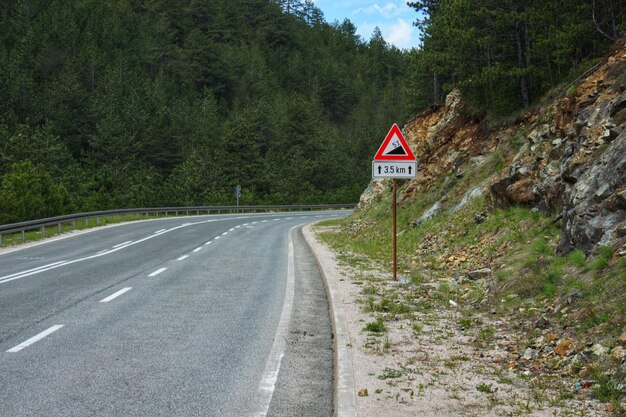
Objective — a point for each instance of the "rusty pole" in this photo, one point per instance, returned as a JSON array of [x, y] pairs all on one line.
[[394, 247]]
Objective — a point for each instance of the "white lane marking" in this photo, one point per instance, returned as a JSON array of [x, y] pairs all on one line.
[[208, 243], [160, 231], [157, 272], [224, 234], [122, 244], [272, 367], [264, 221], [115, 295], [288, 218], [182, 258], [254, 223], [276, 220], [232, 229], [197, 249], [237, 227], [216, 237], [35, 339], [27, 273], [6, 277]]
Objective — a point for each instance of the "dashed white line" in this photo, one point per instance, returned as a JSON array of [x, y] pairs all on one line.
[[157, 272], [264, 221], [208, 243], [237, 227], [35, 339], [115, 295], [254, 222], [216, 237], [122, 244], [245, 224], [182, 258], [160, 231], [232, 229], [198, 249]]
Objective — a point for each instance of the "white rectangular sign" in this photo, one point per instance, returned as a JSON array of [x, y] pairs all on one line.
[[394, 169]]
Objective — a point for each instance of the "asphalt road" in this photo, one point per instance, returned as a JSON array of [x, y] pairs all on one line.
[[196, 316]]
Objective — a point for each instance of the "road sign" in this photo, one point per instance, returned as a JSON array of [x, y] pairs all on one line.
[[394, 169], [394, 147], [394, 159]]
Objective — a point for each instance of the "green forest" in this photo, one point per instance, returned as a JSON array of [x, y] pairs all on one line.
[[137, 103]]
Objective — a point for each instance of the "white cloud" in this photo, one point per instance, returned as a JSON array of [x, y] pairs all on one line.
[[389, 9], [400, 34]]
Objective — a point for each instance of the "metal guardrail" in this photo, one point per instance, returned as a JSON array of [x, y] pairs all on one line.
[[58, 221]]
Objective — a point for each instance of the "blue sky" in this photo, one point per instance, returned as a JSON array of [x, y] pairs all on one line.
[[393, 17]]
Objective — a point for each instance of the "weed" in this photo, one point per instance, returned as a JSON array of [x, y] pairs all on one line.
[[602, 260], [375, 327], [465, 323], [417, 328], [577, 258], [485, 388], [486, 333], [370, 290], [389, 373]]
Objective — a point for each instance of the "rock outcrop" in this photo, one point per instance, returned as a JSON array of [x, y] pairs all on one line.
[[572, 162]]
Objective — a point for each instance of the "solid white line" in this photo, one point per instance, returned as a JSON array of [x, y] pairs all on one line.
[[122, 244], [30, 270], [157, 272], [35, 339], [182, 258], [272, 367], [115, 295], [198, 249]]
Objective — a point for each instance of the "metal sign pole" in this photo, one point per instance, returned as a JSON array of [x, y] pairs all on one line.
[[394, 247]]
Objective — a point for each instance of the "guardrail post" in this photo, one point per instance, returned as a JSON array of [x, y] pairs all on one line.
[[59, 228], [74, 224], [43, 231], [23, 237], [97, 221]]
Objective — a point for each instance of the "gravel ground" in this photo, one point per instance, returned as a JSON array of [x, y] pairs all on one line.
[[426, 364]]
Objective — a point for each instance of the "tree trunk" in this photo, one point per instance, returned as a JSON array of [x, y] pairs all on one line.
[[522, 61], [436, 89]]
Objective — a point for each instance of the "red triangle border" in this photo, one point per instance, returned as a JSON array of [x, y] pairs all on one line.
[[379, 154]]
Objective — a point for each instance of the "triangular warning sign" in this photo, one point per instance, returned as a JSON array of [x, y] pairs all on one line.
[[394, 147]]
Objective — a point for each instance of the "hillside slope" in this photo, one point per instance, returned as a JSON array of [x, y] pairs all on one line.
[[513, 235]]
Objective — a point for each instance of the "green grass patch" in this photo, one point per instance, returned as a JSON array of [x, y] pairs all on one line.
[[375, 327]]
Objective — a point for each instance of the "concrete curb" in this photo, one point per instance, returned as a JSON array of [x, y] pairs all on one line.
[[345, 398]]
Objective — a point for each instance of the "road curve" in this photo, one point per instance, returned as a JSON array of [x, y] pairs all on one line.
[[175, 317]]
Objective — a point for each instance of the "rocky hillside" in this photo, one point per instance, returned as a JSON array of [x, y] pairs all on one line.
[[569, 159], [519, 227]]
